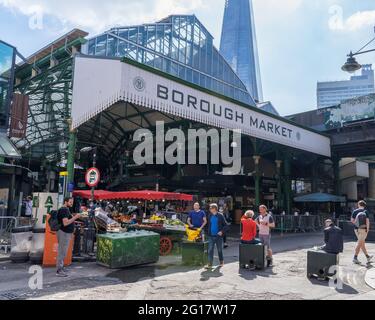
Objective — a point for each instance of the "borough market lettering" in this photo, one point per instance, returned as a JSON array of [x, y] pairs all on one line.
[[205, 106]]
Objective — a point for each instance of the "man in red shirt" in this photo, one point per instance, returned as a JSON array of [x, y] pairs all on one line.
[[249, 229]]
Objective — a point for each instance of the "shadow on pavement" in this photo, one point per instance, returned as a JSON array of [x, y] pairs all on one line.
[[208, 274], [248, 274], [346, 289]]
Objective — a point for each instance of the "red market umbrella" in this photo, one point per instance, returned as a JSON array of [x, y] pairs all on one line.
[[152, 195], [98, 194], [145, 195]]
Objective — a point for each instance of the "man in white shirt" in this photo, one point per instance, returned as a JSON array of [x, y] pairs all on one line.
[[29, 207], [265, 223]]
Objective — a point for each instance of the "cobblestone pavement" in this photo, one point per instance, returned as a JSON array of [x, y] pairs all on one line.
[[168, 279]]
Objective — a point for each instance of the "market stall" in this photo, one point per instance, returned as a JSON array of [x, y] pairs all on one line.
[[131, 217]]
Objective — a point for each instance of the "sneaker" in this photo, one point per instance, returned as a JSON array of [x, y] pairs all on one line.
[[226, 245], [208, 267], [61, 274], [369, 259], [356, 261], [270, 263]]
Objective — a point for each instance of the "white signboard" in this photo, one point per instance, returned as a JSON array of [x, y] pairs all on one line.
[[99, 83], [43, 204]]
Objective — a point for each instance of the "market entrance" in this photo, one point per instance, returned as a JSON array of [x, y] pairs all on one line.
[[112, 99]]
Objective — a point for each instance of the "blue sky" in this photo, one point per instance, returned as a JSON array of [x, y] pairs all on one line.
[[300, 41]]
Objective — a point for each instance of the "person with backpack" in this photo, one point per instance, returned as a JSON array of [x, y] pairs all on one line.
[[361, 221], [65, 232]]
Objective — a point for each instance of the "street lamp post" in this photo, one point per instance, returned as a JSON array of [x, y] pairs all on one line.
[[351, 65]]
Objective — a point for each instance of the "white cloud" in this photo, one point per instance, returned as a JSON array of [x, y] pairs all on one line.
[[97, 15], [360, 20], [275, 8], [357, 21]]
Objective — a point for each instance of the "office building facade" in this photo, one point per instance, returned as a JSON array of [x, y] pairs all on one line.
[[334, 92]]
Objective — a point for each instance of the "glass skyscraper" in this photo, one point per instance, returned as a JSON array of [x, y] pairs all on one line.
[[239, 45], [179, 45]]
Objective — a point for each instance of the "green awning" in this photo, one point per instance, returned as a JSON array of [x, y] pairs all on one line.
[[320, 198], [7, 148]]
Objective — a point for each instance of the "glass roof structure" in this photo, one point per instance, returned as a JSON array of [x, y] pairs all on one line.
[[7, 149], [178, 45]]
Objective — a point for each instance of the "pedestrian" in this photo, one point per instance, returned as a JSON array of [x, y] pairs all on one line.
[[266, 223], [228, 221], [361, 221], [333, 238], [65, 234], [249, 229], [197, 218], [29, 207], [216, 227]]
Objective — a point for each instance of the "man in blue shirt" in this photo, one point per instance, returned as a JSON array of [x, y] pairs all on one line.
[[197, 218], [216, 229]]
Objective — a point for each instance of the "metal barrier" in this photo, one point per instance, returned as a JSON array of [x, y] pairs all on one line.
[[298, 223], [3, 213], [5, 233]]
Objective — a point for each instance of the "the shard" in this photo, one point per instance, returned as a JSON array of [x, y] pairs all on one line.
[[239, 44]]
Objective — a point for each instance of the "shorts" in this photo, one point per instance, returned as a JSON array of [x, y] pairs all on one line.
[[265, 239], [361, 234]]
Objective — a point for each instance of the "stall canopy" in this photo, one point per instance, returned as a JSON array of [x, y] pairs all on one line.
[[145, 195], [320, 198], [98, 194]]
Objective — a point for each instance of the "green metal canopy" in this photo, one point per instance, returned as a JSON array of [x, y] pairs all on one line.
[[320, 198], [7, 148]]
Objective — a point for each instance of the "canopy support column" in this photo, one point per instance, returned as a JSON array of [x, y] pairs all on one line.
[[71, 155], [287, 184]]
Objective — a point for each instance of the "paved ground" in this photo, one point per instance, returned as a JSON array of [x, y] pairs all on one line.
[[168, 279]]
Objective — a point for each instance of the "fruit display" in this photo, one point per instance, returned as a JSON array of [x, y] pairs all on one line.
[[175, 222], [158, 218]]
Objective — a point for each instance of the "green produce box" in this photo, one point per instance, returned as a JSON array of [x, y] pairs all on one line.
[[194, 253], [120, 250]]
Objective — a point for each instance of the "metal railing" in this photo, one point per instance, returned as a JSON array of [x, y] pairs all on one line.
[[5, 233], [310, 223]]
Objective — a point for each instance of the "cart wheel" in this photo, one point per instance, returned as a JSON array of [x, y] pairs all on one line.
[[166, 246]]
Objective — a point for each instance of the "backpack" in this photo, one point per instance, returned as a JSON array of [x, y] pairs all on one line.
[[360, 219], [53, 221], [23, 209]]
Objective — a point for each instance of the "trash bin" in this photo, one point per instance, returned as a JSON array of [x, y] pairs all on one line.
[[37, 246], [21, 244], [194, 253]]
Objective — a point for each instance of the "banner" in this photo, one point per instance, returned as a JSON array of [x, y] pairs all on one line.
[[100, 83], [7, 62], [19, 114], [43, 204]]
